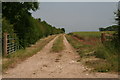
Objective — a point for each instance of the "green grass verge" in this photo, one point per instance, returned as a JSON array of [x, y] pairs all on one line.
[[107, 55], [11, 60], [80, 47], [58, 44]]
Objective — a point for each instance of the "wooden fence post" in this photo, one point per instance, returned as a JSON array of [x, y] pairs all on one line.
[[5, 43], [103, 38]]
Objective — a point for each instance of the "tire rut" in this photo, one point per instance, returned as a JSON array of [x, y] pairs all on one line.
[[46, 64]]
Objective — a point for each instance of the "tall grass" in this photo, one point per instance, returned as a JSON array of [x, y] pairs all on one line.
[[110, 54]]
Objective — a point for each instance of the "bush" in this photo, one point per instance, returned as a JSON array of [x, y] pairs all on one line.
[[6, 26]]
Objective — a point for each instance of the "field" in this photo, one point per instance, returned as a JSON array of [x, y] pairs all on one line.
[[91, 34], [88, 34], [92, 51]]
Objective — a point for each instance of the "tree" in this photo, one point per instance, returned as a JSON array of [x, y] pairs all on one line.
[[13, 11], [7, 27], [110, 28], [63, 30], [118, 20], [27, 28], [17, 13], [101, 29]]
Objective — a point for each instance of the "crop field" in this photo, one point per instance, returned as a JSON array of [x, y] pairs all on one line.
[[88, 34], [92, 34]]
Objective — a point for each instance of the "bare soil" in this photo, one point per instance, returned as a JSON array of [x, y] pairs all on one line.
[[46, 64], [91, 41]]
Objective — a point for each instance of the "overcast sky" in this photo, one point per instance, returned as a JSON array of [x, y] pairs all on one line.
[[77, 16]]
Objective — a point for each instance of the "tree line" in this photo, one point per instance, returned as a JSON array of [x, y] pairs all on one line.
[[17, 19], [110, 28]]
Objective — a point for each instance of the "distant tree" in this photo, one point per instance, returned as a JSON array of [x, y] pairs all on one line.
[[101, 29], [110, 28], [63, 29]]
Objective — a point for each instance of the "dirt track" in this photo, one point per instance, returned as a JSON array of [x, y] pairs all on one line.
[[46, 64]]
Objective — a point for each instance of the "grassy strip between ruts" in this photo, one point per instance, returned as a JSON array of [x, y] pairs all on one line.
[[11, 60], [97, 57], [58, 44]]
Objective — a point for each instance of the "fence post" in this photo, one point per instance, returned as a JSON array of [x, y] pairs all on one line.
[[5, 43], [103, 38]]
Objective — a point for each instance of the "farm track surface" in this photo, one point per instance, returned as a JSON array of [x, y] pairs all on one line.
[[47, 64]]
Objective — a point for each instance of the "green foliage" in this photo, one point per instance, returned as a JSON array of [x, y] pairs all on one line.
[[13, 11], [118, 23], [17, 13], [102, 52], [110, 28], [110, 54], [6, 26], [27, 28]]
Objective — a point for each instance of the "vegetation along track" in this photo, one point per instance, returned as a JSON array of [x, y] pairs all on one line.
[[58, 44], [11, 60], [47, 64]]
